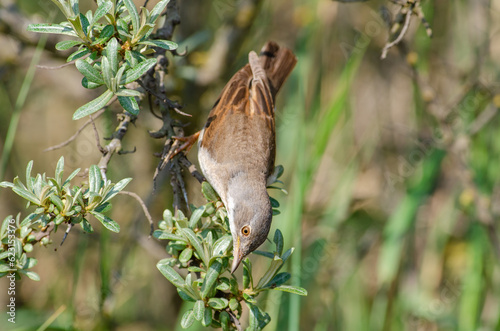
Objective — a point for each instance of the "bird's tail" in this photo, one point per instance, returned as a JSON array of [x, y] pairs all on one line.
[[278, 62]]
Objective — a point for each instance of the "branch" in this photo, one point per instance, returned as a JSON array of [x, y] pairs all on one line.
[[144, 208]]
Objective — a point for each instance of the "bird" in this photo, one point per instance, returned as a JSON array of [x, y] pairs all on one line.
[[237, 145]]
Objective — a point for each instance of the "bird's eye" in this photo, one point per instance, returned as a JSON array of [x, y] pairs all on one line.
[[245, 230]]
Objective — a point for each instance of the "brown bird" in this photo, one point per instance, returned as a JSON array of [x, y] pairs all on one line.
[[237, 145]]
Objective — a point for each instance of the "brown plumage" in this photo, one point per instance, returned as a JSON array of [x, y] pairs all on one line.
[[237, 145]]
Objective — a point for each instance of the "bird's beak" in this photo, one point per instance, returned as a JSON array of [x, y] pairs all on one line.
[[237, 255]]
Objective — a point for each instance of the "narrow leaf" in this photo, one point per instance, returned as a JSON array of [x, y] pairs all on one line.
[[137, 71], [210, 278], [95, 179], [187, 319], [199, 309], [67, 44], [134, 14], [129, 104], [195, 216], [157, 10], [78, 54], [93, 106], [116, 188], [102, 10], [52, 28], [170, 274], [106, 221], [165, 44], [292, 289], [196, 242], [91, 73]]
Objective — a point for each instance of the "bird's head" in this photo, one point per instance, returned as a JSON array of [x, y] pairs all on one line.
[[250, 221]]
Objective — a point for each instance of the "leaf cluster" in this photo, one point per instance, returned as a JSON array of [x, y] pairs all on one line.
[[202, 244], [56, 202], [112, 47]]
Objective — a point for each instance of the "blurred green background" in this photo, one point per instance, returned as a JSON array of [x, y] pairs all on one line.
[[392, 166]]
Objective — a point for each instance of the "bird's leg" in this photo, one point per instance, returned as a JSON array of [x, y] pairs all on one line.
[[188, 143]]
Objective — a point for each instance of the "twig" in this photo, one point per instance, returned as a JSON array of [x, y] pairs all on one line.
[[192, 169], [400, 36], [101, 149], [144, 208], [236, 322], [73, 137]]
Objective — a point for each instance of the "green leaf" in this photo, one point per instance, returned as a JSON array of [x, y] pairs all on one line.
[[106, 221], [185, 296], [266, 254], [170, 274], [292, 289], [95, 179], [85, 24], [144, 32], [93, 106], [258, 319], [209, 192], [52, 28], [59, 171], [287, 254], [78, 54], [234, 304], [116, 188], [278, 240], [278, 280], [128, 93], [187, 319], [274, 202], [129, 104], [224, 320], [31, 274], [70, 177], [6, 184], [74, 6], [157, 10], [91, 73], [103, 9], [218, 303], [222, 244], [168, 236], [89, 85], [199, 310], [165, 44], [195, 216], [210, 278], [112, 55], [186, 255], [134, 14], [196, 242], [137, 71], [26, 195], [207, 317], [67, 44], [86, 226]]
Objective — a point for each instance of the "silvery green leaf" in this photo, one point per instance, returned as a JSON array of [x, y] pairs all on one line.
[[196, 242], [165, 44], [170, 273], [106, 33], [222, 244], [103, 8], [195, 216], [287, 254], [74, 6], [78, 54], [67, 44], [257, 318], [185, 296], [292, 289], [26, 195], [85, 24], [187, 319], [106, 221], [59, 171], [207, 317], [129, 104], [224, 320], [89, 85], [93, 106], [31, 274], [116, 188], [107, 73], [70, 177], [210, 278], [112, 55], [199, 309], [186, 255], [64, 7], [168, 236], [92, 74], [218, 303], [128, 93], [29, 167], [122, 29], [78, 26], [95, 179], [278, 280], [134, 14], [52, 28], [136, 72], [144, 32], [157, 10]]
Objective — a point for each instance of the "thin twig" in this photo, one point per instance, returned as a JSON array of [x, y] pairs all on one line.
[[191, 168], [96, 133], [400, 36], [73, 137], [144, 208], [236, 322]]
